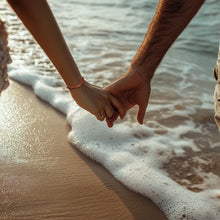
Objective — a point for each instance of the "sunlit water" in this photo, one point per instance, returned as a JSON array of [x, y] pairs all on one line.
[[174, 157]]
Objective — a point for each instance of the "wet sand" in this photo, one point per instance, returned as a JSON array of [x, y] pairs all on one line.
[[42, 176]]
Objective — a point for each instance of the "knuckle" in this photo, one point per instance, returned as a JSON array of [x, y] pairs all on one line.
[[110, 114], [107, 98]]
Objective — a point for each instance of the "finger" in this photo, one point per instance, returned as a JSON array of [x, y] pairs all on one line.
[[100, 119], [116, 103], [109, 111], [110, 121], [141, 113], [101, 116]]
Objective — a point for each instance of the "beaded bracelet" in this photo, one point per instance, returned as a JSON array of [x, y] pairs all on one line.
[[77, 86]]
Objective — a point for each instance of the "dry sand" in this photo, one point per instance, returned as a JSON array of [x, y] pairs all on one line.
[[42, 176]]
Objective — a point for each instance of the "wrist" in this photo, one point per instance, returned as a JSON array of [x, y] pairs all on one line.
[[142, 72], [78, 90], [79, 93], [76, 85]]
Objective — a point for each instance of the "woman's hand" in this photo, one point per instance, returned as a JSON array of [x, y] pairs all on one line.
[[97, 101]]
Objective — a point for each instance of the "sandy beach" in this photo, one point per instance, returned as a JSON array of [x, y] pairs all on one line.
[[44, 177]]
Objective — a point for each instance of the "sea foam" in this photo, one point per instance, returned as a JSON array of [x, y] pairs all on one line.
[[133, 153]]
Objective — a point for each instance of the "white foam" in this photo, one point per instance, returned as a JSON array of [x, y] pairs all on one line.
[[133, 161]]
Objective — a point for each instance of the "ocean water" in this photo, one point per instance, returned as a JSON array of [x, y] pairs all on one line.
[[174, 157]]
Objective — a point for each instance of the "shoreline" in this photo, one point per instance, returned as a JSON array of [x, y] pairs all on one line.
[[44, 176]]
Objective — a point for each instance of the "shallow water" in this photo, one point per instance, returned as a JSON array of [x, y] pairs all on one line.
[[179, 140]]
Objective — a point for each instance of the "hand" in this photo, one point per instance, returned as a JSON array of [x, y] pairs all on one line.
[[131, 89], [97, 101]]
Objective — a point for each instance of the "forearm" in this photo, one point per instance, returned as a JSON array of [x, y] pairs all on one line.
[[39, 20], [170, 19]]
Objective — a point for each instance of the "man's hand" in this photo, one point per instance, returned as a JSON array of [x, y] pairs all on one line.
[[131, 89], [170, 19]]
